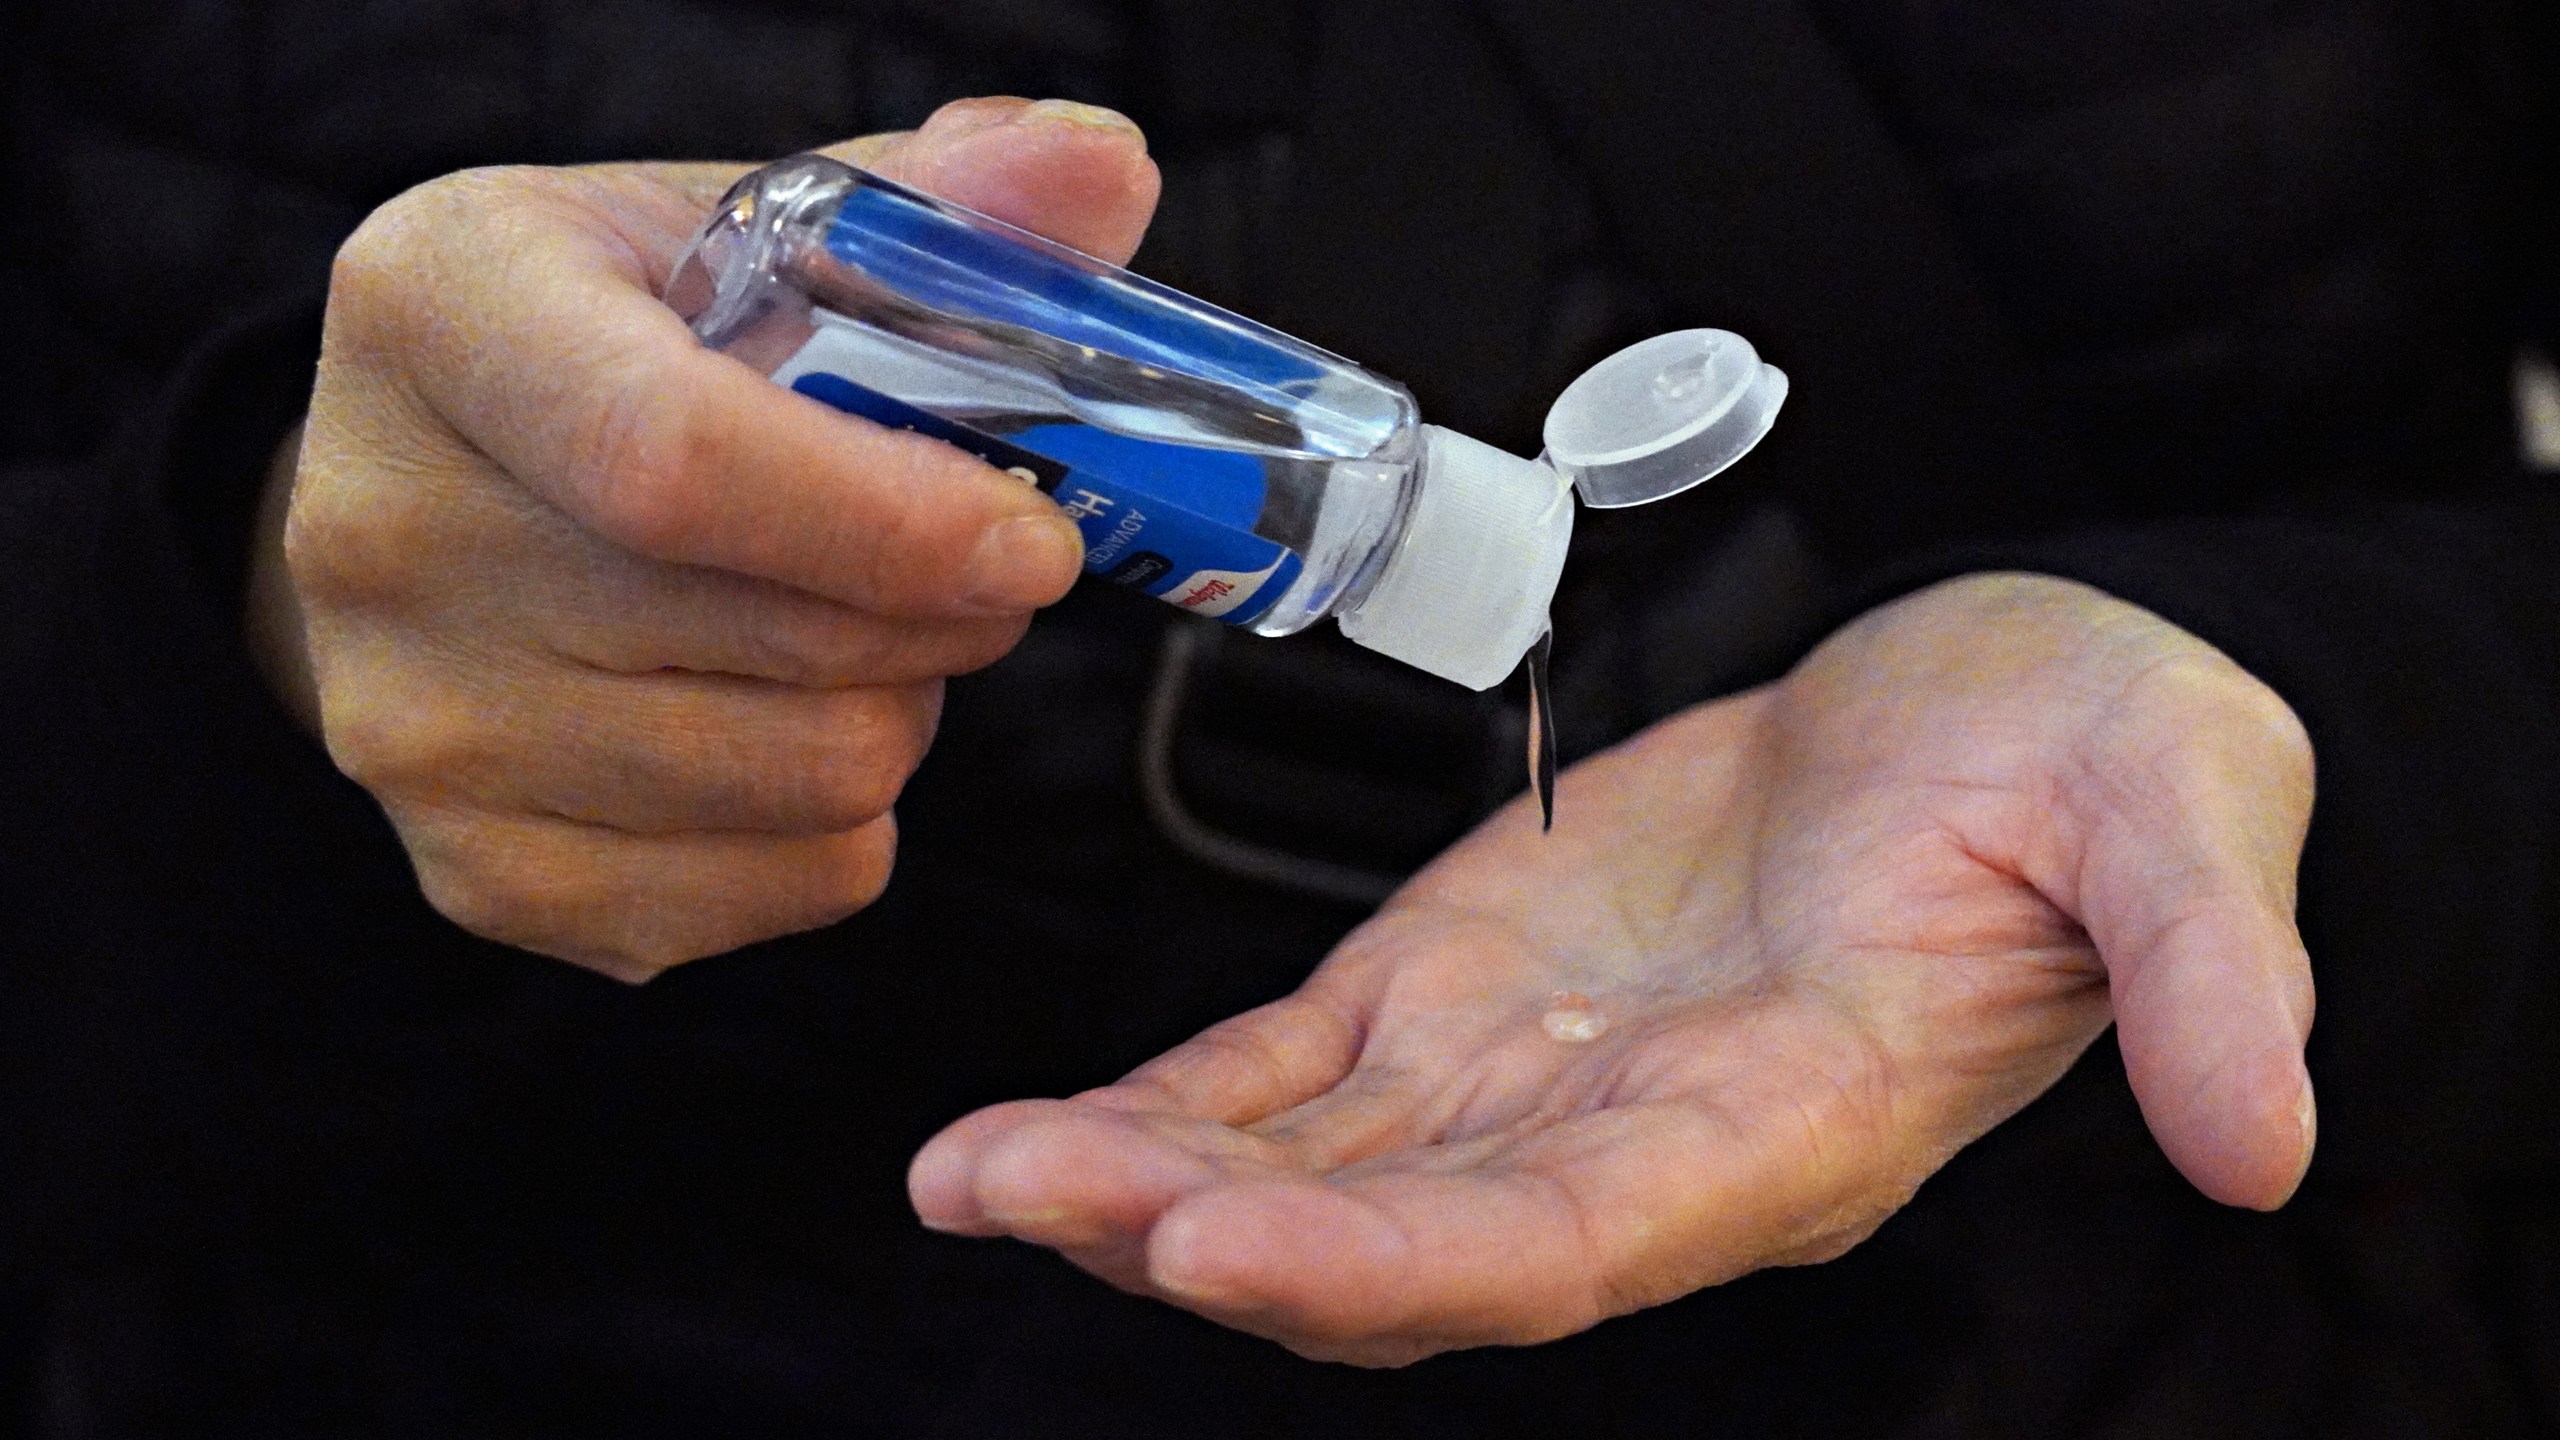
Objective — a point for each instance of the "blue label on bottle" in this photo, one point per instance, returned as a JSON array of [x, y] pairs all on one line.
[[1171, 520]]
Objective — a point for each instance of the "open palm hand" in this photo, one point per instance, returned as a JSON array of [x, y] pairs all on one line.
[[1782, 956]]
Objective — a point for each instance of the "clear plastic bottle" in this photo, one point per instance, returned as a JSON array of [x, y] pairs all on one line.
[[1214, 463]]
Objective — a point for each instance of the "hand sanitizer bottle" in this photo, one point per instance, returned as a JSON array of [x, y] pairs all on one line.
[[1212, 462]]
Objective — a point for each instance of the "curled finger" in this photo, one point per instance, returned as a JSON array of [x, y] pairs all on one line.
[[656, 753], [629, 905]]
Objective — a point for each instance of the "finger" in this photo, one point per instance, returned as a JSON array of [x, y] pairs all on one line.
[[632, 906], [2212, 1036], [1241, 1070], [1259, 1063], [590, 600], [513, 315], [942, 1180], [2187, 888], [688, 618], [647, 754], [1078, 174], [1292, 1067], [538, 576]]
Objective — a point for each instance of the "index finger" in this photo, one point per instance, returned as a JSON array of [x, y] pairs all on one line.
[[516, 311]]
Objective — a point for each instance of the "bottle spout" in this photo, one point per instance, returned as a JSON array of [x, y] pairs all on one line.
[[1662, 416], [1466, 593]]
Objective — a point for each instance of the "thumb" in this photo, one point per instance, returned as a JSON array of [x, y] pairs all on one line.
[[2192, 843], [1078, 174]]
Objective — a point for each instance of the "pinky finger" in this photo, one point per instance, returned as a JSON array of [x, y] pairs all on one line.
[[633, 906]]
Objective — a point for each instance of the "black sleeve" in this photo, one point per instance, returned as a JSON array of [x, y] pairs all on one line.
[[132, 705], [197, 912], [2421, 648]]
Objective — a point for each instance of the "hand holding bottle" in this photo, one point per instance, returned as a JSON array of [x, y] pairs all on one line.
[[1782, 957], [636, 648]]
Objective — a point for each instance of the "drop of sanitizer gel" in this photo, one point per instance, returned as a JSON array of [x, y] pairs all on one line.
[[1211, 462], [1572, 1019]]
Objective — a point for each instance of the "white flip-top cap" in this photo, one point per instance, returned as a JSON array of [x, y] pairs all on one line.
[[1466, 593], [1663, 415]]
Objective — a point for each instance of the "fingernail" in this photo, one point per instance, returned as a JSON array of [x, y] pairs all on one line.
[[1074, 112], [968, 117], [1025, 563]]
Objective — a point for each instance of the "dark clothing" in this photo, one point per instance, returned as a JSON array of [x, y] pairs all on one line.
[[2210, 304]]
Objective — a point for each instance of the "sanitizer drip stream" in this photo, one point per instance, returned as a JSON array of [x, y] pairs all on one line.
[[1542, 728], [1212, 462]]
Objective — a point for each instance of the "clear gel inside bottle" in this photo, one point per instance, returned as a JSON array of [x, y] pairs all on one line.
[[1212, 462]]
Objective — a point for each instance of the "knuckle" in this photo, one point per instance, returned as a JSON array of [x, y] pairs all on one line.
[[807, 642], [487, 906], [856, 779], [373, 271], [905, 556], [2275, 723], [2231, 713], [355, 544], [324, 545], [480, 875], [396, 742], [984, 642], [843, 805], [631, 471], [859, 796], [1379, 1350], [645, 943], [918, 518], [394, 257], [867, 858]]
